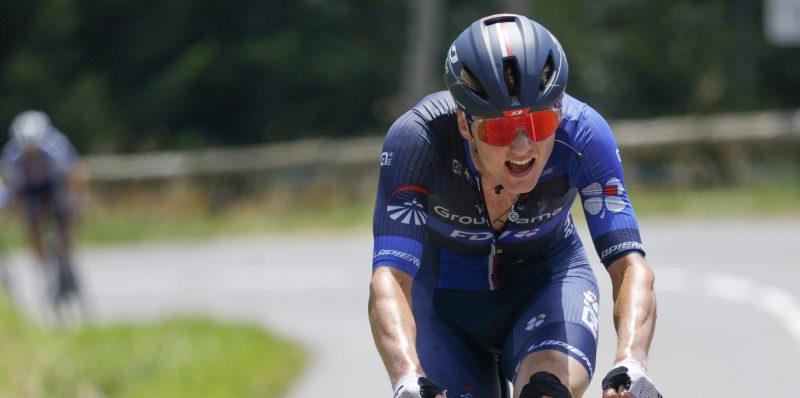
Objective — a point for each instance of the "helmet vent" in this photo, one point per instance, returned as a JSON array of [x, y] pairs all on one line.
[[499, 19], [547, 73], [511, 75], [472, 83]]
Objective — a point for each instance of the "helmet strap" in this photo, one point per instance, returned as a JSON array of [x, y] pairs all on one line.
[[474, 145], [469, 129]]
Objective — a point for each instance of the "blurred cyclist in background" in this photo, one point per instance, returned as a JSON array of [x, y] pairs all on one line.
[[44, 179], [477, 266], [5, 196]]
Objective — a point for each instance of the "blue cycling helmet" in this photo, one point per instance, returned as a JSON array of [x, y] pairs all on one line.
[[505, 63]]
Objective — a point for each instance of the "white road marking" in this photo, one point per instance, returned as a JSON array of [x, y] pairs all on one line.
[[736, 289], [728, 287]]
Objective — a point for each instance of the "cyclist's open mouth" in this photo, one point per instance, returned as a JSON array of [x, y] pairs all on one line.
[[520, 167]]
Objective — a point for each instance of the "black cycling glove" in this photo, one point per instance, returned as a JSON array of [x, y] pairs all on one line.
[[617, 377], [428, 388], [631, 375]]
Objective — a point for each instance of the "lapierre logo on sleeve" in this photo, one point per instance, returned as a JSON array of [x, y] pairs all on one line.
[[620, 247], [396, 253]]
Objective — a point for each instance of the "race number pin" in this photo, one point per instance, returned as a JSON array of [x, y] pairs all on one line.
[[513, 216]]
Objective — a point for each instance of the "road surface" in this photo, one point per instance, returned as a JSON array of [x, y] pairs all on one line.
[[728, 301]]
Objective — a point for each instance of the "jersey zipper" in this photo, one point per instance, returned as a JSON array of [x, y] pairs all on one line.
[[496, 250]]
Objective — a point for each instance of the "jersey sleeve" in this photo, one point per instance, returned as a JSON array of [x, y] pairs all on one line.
[[61, 151], [407, 175], [599, 178], [11, 173]]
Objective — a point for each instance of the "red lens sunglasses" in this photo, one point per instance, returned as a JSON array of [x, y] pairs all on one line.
[[501, 131]]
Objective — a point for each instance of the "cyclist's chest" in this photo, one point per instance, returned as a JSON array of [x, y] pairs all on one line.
[[36, 169], [459, 212]]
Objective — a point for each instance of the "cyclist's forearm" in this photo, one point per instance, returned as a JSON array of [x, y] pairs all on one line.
[[392, 322], [634, 307]]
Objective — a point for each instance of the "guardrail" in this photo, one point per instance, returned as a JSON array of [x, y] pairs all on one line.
[[720, 128], [631, 135], [232, 160]]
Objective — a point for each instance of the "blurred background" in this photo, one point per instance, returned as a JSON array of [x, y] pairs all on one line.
[[207, 119], [189, 77]]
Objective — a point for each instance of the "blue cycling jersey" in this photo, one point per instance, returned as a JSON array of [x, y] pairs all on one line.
[[429, 193], [56, 157]]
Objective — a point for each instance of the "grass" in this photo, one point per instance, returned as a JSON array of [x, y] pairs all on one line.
[[173, 358], [755, 200]]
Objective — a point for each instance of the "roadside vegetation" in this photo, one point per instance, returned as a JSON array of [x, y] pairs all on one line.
[[172, 358], [764, 199]]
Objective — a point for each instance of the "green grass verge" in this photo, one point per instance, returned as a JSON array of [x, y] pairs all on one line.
[[756, 200], [174, 358]]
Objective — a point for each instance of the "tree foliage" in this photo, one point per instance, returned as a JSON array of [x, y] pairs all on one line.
[[123, 75]]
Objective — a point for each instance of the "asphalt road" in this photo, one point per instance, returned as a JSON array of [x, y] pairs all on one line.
[[728, 324]]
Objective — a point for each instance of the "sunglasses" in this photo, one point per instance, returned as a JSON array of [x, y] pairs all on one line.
[[501, 131]]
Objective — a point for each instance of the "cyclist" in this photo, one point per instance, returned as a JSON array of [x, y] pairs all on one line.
[[477, 267], [42, 174], [5, 197]]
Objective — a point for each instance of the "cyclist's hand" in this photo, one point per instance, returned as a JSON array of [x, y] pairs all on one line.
[[413, 385], [627, 380]]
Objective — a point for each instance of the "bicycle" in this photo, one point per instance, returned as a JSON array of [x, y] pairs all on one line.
[[505, 385], [6, 283], [67, 304]]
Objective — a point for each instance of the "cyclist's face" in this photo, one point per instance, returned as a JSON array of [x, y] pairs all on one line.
[[31, 159], [31, 153], [517, 166]]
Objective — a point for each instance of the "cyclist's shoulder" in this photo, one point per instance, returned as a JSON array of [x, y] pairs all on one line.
[[583, 123], [57, 144], [430, 121], [57, 137], [430, 110], [436, 104], [11, 151], [580, 113]]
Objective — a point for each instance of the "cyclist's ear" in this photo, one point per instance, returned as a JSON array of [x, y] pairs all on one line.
[[462, 125]]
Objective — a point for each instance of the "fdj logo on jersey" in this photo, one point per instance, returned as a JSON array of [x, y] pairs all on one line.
[[405, 211], [601, 198], [472, 236]]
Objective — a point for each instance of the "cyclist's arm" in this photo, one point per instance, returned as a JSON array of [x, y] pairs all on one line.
[[392, 321], [5, 194], [615, 234], [408, 173], [634, 307]]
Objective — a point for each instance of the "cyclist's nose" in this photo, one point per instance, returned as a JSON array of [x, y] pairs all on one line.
[[522, 140]]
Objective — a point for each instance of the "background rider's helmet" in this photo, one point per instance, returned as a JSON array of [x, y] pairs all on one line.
[[503, 63], [29, 128]]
